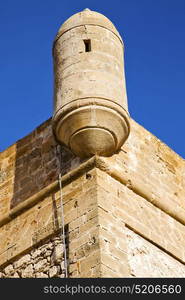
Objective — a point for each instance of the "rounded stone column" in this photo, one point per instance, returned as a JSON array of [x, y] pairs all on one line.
[[90, 109]]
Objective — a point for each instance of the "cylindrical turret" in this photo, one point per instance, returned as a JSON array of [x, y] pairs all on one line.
[[90, 110]]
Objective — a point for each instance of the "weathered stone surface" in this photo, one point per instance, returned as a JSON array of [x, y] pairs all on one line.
[[85, 101], [40, 265], [15, 275], [8, 270], [57, 254], [27, 272], [30, 165], [35, 253], [41, 275], [53, 271], [22, 261], [147, 260], [34, 265]]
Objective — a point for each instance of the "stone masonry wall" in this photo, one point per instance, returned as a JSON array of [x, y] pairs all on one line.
[[114, 208], [120, 205], [30, 165], [46, 260], [22, 234], [147, 260]]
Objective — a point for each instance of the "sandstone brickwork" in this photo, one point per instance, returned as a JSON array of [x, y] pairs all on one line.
[[30, 165], [147, 260], [124, 214]]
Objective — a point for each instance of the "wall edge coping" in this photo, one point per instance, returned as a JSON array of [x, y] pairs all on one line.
[[172, 209]]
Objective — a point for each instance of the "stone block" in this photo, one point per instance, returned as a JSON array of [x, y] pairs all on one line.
[[41, 275], [40, 265], [57, 254], [27, 272], [9, 269], [22, 261], [53, 272]]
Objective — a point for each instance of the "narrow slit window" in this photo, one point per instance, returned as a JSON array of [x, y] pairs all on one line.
[[87, 45]]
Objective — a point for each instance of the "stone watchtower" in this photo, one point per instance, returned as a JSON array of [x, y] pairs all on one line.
[[90, 93], [122, 194]]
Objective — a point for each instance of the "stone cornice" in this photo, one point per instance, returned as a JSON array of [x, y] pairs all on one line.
[[169, 207]]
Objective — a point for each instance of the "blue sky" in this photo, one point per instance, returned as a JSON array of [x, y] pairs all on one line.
[[154, 36]]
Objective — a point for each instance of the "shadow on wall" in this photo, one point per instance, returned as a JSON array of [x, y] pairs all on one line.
[[26, 168], [37, 163], [59, 228]]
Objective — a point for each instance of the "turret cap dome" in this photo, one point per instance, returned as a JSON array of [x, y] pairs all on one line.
[[87, 17]]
